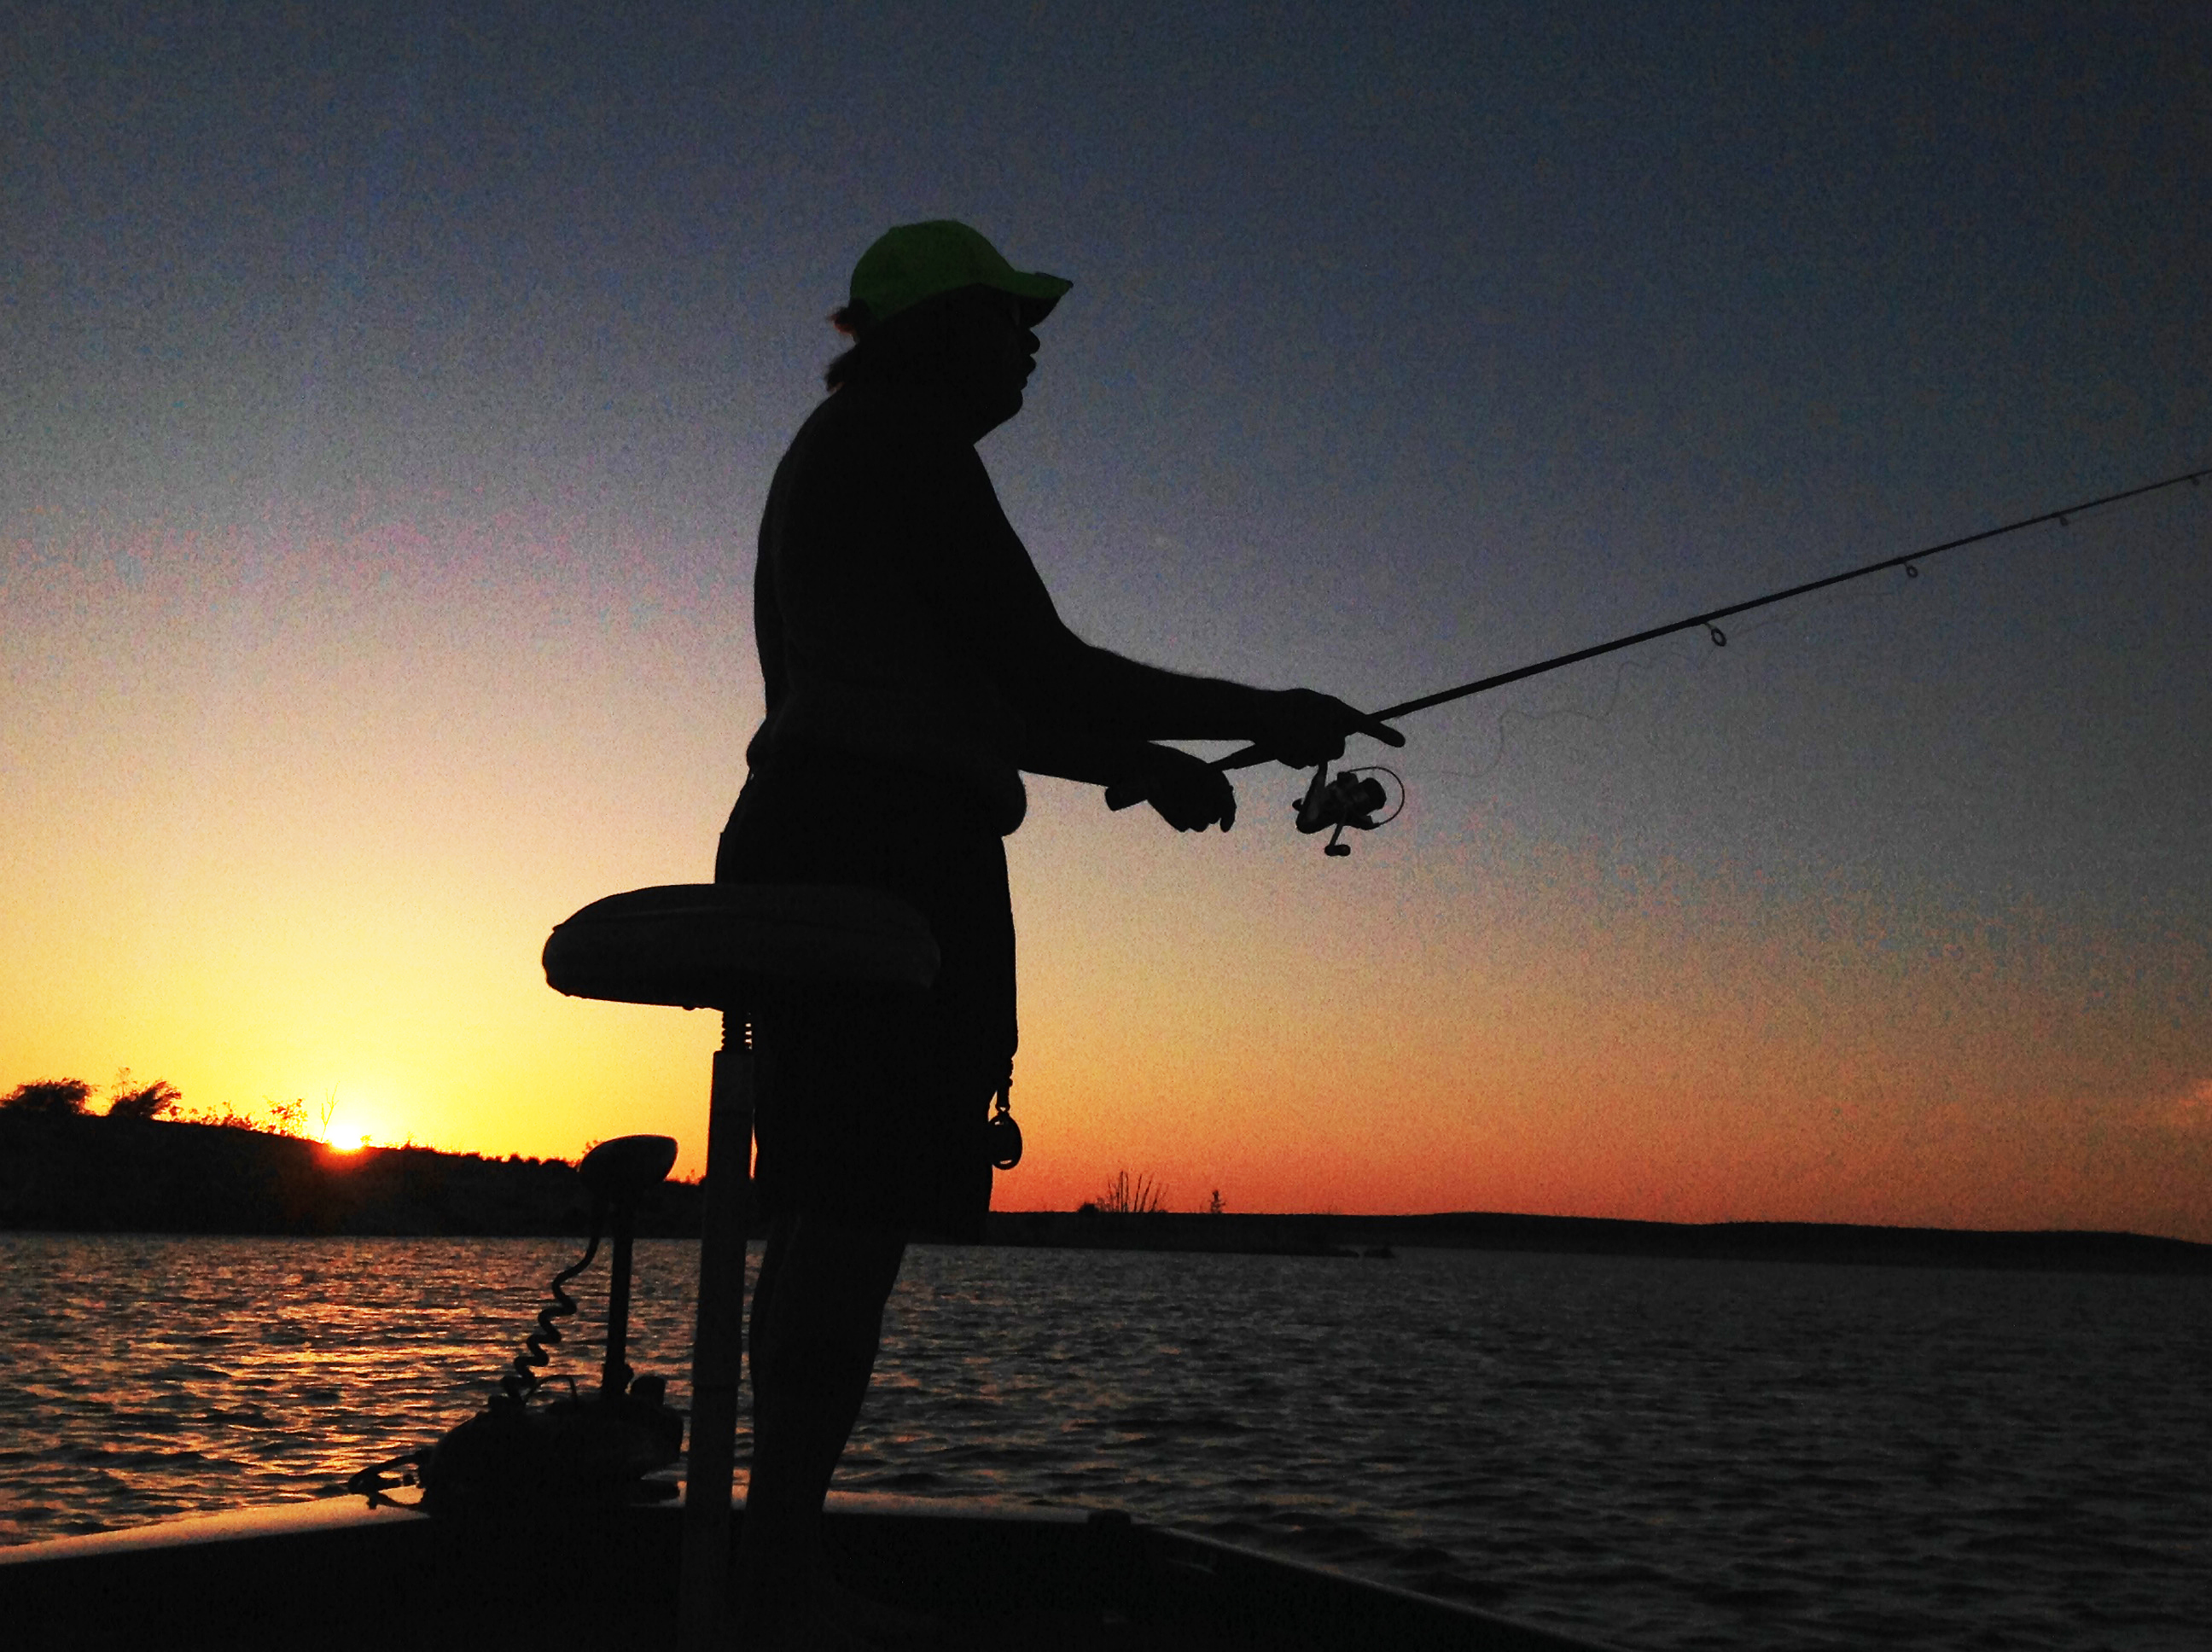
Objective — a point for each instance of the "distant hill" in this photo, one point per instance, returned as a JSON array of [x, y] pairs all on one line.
[[77, 1174]]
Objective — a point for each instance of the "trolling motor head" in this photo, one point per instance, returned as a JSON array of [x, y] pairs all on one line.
[[1349, 800], [618, 1172]]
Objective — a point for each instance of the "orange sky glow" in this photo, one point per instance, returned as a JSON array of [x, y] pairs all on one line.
[[316, 856], [390, 414]]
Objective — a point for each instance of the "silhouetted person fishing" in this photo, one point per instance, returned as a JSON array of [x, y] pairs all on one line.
[[915, 668]]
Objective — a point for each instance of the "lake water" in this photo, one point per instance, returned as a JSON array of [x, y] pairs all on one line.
[[1663, 1454]]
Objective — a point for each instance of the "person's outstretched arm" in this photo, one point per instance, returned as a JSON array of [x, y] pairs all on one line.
[[1188, 792], [1087, 687], [1093, 713]]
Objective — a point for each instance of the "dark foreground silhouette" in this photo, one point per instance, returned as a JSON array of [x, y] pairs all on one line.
[[986, 1577]]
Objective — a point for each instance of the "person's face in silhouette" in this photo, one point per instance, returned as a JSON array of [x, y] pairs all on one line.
[[987, 353]]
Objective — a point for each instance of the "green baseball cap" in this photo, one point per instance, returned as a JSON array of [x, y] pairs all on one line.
[[918, 261]]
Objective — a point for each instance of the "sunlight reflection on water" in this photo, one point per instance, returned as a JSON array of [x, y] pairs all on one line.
[[1662, 1453]]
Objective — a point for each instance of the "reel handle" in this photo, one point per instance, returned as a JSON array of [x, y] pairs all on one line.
[[1315, 814]]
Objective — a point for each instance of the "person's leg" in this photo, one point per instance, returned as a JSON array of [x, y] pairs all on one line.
[[776, 1247], [816, 1322]]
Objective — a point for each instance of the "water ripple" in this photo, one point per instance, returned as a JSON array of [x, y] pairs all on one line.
[[1665, 1455]]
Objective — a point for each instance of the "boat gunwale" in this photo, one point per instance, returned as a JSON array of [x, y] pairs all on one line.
[[1187, 1562]]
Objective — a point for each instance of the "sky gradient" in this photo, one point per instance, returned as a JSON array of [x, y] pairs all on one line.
[[394, 393]]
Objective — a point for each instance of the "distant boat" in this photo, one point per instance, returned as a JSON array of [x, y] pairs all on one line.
[[340, 1574]]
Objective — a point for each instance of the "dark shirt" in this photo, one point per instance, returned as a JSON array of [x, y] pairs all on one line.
[[899, 617]]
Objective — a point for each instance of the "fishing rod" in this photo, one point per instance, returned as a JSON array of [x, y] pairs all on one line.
[[1353, 798]]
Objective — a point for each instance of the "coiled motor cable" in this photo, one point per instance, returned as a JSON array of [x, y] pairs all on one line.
[[519, 1383]]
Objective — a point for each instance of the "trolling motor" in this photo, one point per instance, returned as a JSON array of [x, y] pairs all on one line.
[[524, 1452], [1349, 800]]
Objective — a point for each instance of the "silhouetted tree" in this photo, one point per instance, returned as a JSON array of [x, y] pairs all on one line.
[[145, 1101], [48, 1095]]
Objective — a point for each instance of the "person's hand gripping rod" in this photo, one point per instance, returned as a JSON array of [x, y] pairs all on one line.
[[1298, 728]]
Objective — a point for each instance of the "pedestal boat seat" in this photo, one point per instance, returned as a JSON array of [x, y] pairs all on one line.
[[728, 947], [712, 945]]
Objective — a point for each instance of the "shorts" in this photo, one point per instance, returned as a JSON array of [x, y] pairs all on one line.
[[872, 1107]]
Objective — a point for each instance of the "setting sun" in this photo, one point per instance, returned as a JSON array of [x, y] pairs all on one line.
[[346, 1126]]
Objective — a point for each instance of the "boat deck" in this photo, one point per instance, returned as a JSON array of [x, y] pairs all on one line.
[[999, 1577]]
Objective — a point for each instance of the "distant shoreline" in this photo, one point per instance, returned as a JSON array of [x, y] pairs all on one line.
[[78, 1175], [1358, 1237]]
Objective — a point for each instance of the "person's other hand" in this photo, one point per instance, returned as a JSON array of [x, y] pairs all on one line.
[[1302, 728], [1190, 793]]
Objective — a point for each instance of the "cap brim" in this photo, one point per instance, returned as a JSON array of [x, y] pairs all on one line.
[[1038, 292]]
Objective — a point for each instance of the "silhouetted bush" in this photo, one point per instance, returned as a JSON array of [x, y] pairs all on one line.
[[145, 1101], [47, 1095], [1143, 1197]]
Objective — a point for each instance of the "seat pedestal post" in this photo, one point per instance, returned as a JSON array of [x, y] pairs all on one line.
[[733, 947], [718, 1350]]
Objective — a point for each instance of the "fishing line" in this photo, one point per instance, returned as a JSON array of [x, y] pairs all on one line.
[[1327, 805], [1695, 663], [1711, 619]]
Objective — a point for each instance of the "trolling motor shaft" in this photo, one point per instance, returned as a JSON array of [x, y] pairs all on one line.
[[618, 1173]]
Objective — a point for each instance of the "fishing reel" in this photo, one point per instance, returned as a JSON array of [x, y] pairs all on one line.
[[1348, 801]]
